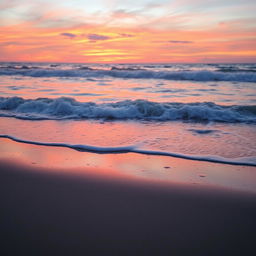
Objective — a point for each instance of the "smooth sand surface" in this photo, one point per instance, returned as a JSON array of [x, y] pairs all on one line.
[[45, 213]]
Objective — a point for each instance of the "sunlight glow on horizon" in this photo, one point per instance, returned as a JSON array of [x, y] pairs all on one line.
[[117, 31]]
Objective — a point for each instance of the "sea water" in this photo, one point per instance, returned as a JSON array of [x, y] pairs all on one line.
[[197, 111]]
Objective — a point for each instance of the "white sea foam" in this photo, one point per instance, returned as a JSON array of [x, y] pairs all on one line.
[[134, 73], [69, 108], [248, 161]]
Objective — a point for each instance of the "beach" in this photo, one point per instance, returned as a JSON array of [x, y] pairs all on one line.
[[127, 128], [86, 210]]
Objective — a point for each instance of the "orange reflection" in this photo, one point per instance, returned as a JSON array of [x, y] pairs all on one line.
[[130, 166], [114, 90]]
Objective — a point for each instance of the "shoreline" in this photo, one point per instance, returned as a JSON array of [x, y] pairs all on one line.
[[132, 149], [131, 166], [46, 213]]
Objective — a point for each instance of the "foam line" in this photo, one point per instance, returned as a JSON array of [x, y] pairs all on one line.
[[81, 148], [133, 149]]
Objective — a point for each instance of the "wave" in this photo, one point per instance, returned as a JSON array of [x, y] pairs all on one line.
[[133, 73], [247, 161], [69, 108], [236, 69], [127, 68]]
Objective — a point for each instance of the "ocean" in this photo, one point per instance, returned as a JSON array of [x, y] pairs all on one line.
[[204, 112]]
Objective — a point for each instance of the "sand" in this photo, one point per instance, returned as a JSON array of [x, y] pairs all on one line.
[[52, 211], [53, 214]]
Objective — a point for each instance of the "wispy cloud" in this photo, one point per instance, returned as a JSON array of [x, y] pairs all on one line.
[[180, 42], [70, 35], [125, 35], [97, 37], [123, 14]]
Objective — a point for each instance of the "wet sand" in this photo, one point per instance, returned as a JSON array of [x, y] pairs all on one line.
[[57, 213]]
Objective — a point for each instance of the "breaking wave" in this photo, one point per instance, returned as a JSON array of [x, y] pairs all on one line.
[[134, 73], [69, 108]]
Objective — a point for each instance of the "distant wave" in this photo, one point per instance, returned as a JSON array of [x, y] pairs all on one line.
[[69, 108], [133, 149], [133, 73]]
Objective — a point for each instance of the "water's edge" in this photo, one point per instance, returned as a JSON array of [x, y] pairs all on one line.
[[248, 161]]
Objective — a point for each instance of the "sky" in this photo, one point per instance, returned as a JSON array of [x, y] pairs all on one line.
[[141, 31]]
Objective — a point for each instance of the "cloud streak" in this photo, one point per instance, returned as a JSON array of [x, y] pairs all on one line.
[[180, 42], [70, 35], [97, 37]]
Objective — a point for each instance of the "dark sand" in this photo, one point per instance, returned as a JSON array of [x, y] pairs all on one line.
[[46, 213]]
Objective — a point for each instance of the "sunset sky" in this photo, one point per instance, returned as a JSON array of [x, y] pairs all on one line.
[[128, 31]]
